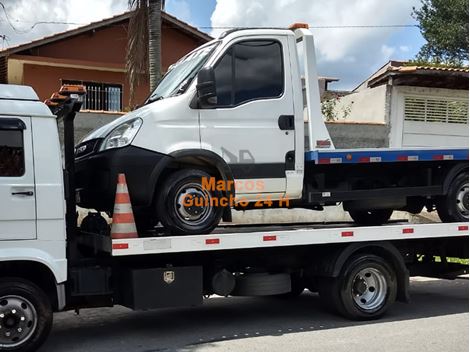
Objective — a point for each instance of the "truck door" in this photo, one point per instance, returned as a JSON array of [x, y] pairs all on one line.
[[252, 125], [17, 191]]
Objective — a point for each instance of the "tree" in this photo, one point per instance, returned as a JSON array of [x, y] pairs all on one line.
[[444, 25], [144, 44]]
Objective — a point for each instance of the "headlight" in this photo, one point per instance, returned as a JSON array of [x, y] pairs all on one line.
[[122, 135]]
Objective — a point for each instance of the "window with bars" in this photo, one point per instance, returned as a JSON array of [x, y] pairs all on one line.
[[444, 110], [100, 96]]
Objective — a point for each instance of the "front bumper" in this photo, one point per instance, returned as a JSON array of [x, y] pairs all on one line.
[[96, 176]]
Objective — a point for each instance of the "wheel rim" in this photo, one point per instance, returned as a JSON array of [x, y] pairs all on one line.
[[369, 289], [18, 320], [200, 208], [462, 200]]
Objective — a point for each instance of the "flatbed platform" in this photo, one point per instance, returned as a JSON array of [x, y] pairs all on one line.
[[384, 155], [261, 236]]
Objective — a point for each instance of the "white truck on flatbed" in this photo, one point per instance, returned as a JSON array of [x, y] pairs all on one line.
[[49, 264], [232, 113]]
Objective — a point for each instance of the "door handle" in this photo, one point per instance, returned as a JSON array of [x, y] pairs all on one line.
[[25, 193], [286, 122]]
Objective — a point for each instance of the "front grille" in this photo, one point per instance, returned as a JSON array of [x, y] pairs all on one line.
[[86, 148]]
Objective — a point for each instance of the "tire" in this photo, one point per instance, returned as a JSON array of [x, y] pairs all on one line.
[[364, 290], [145, 220], [297, 288], [22, 299], [453, 207], [185, 220], [262, 284], [373, 217]]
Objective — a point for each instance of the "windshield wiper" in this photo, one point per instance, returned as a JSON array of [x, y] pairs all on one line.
[[183, 87], [151, 100]]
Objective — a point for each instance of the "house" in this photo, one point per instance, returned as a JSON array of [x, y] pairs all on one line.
[[93, 55], [411, 106]]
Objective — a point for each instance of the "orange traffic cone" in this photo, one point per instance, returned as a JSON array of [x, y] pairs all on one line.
[[123, 225]]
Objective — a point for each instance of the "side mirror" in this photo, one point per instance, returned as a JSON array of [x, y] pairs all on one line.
[[206, 91]]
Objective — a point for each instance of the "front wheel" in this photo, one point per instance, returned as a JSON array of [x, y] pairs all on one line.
[[453, 207], [365, 288], [25, 315], [185, 206], [371, 217]]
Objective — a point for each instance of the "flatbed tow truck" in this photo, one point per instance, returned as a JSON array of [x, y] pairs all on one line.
[[49, 264]]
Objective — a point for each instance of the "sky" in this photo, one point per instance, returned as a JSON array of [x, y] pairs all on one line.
[[350, 54]]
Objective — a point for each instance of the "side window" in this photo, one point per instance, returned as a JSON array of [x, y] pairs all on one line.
[[11, 153], [224, 80], [250, 70]]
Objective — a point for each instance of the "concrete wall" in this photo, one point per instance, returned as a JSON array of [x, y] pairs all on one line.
[[344, 134], [368, 105], [347, 135], [85, 122]]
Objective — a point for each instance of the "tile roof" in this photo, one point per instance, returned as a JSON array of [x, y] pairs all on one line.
[[426, 68], [166, 18]]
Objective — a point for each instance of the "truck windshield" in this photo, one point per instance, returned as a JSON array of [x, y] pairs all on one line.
[[180, 75]]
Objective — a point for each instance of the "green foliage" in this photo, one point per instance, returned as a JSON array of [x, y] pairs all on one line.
[[444, 25], [330, 110]]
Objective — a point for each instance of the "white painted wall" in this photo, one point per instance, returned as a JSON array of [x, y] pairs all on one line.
[[367, 105], [425, 134]]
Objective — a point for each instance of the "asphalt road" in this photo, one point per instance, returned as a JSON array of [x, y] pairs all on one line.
[[436, 320]]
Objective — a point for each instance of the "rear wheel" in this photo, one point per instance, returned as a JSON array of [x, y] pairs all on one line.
[[364, 290], [453, 207], [371, 217], [25, 315], [185, 207]]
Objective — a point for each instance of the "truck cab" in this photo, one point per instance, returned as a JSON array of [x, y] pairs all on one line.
[[31, 180], [32, 223], [251, 131]]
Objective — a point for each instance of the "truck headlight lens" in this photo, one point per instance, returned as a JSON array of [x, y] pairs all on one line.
[[122, 135]]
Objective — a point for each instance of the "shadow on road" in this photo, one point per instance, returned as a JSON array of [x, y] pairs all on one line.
[[119, 329]]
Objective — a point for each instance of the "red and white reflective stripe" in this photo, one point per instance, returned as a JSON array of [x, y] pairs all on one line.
[[347, 234], [270, 238], [120, 245], [443, 157], [463, 228], [370, 159], [408, 230], [408, 158], [330, 161], [213, 241]]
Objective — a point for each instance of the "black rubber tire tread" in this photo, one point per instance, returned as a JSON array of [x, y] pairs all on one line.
[[42, 304], [373, 217], [297, 288], [446, 206], [262, 284], [336, 292], [145, 220], [165, 207]]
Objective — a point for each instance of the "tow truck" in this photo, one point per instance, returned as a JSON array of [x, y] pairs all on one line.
[[49, 264], [233, 113]]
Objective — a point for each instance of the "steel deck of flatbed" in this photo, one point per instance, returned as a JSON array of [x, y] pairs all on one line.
[[384, 155], [263, 236]]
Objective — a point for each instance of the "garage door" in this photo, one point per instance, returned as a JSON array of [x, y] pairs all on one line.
[[435, 122]]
